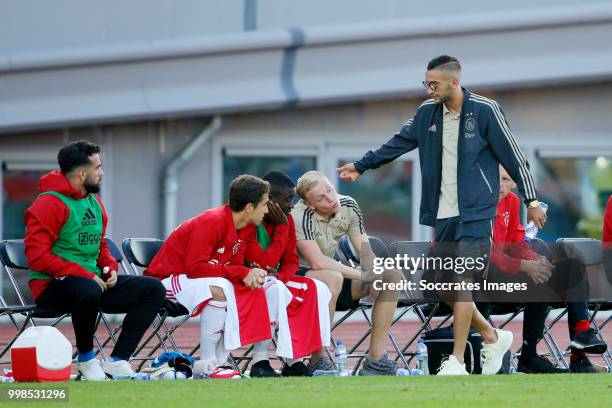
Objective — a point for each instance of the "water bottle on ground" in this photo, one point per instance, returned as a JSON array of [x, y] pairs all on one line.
[[421, 357], [134, 377], [342, 359], [402, 372], [530, 229]]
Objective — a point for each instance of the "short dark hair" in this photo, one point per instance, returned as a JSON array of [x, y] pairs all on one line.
[[444, 62], [246, 189], [278, 179], [76, 154]]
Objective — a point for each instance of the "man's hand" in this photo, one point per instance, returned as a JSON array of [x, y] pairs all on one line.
[[537, 215], [255, 278], [348, 172], [546, 262], [275, 214], [539, 271], [368, 276], [100, 282], [111, 280], [271, 271]]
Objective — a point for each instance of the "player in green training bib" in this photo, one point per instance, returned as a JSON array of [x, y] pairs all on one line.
[[72, 268]]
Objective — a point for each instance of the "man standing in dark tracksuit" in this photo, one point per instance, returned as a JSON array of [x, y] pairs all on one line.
[[462, 138]]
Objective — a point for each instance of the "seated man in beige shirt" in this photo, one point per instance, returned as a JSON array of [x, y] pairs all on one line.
[[322, 217]]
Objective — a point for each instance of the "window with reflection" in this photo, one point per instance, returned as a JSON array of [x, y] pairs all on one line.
[[234, 166], [576, 191], [385, 198]]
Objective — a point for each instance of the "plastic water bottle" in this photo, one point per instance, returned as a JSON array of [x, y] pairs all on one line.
[[170, 375], [324, 373], [402, 372], [342, 359], [134, 377], [421, 357], [530, 229]]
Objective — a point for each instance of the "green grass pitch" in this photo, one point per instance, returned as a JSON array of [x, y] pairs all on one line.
[[474, 391]]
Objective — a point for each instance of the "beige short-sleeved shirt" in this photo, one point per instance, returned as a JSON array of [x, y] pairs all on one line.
[[448, 205], [327, 232]]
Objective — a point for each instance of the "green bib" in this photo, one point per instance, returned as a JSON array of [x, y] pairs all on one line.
[[262, 237], [79, 238]]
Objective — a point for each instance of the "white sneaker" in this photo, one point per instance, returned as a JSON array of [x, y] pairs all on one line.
[[493, 354], [91, 370], [452, 366], [119, 369]]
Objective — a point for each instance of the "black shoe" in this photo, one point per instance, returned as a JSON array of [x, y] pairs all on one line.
[[582, 365], [263, 369], [535, 364], [298, 369], [588, 342]]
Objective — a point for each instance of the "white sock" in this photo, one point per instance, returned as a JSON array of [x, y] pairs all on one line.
[[272, 289], [212, 321], [222, 353], [260, 351]]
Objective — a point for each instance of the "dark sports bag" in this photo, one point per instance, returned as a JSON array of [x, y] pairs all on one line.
[[440, 343]]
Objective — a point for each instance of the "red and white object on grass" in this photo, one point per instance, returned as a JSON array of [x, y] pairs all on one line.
[[41, 354]]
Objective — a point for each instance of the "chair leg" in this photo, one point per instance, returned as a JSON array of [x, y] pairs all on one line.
[[511, 318], [20, 330], [97, 339], [425, 325], [606, 322], [194, 350], [233, 363], [335, 324], [554, 348], [400, 354], [155, 333], [162, 343], [168, 335], [351, 352], [112, 333], [607, 356], [446, 319]]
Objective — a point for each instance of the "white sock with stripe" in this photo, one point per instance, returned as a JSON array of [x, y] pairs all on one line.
[[212, 321], [260, 350]]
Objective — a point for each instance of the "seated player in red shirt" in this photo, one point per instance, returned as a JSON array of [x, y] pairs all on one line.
[[202, 266], [307, 314], [607, 236], [511, 255]]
